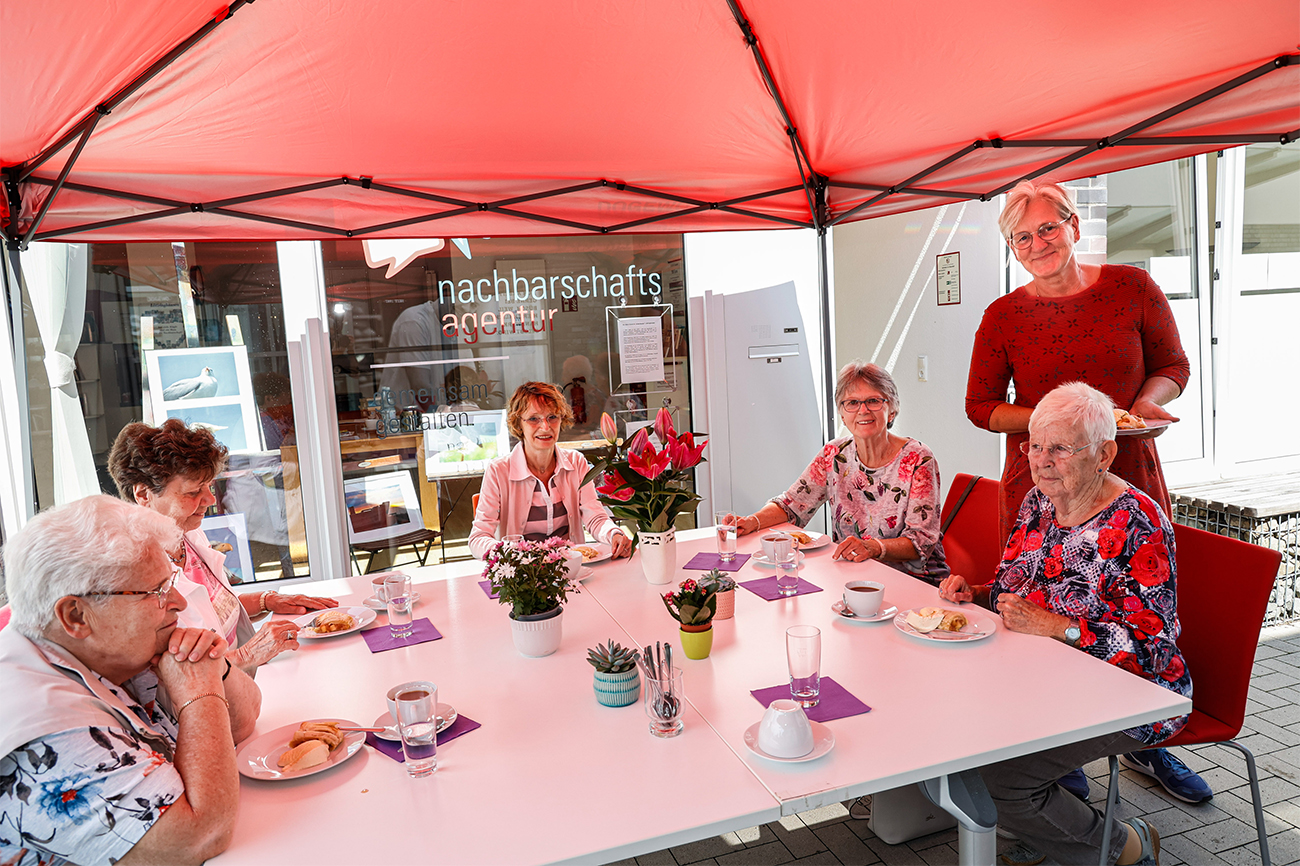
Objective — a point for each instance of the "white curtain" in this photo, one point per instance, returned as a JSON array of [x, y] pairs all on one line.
[[56, 281]]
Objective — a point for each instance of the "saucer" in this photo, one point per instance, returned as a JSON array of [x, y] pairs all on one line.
[[760, 559], [840, 608], [375, 604], [446, 718], [823, 742]]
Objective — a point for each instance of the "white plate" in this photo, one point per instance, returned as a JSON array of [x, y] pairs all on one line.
[[363, 616], [377, 605], [760, 559], [843, 610], [819, 540], [603, 552], [447, 716], [257, 759], [979, 625], [1152, 424], [823, 742]]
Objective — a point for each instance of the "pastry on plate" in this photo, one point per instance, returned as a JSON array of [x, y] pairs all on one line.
[[928, 619], [1129, 421], [588, 553], [333, 620]]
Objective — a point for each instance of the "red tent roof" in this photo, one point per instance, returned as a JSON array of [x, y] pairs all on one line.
[[467, 115]]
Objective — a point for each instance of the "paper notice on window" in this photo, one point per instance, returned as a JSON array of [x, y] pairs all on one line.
[[641, 349]]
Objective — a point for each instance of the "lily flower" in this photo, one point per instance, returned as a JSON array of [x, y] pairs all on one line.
[[685, 453], [615, 487], [639, 441], [608, 428], [648, 462], [664, 426]]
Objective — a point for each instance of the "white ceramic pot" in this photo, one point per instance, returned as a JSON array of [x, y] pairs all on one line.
[[658, 552], [538, 635]]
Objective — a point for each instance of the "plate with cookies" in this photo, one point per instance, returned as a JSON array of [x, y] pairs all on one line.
[[594, 552], [946, 624], [299, 749], [334, 622], [808, 540]]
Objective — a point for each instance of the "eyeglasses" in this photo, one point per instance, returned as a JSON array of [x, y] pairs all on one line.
[[538, 420], [872, 403], [1047, 231], [160, 593], [1055, 452]]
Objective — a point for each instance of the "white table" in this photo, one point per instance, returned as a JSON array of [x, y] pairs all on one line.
[[553, 776]]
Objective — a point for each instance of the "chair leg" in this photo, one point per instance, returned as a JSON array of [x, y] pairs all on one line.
[[1255, 800], [1112, 802]]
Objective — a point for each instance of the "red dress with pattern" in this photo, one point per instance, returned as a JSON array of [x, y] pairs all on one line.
[[1114, 335]]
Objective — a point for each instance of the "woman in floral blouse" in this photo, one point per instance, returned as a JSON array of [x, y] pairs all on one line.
[[1091, 563], [883, 489]]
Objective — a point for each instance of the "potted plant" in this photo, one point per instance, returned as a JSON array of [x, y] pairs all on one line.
[[617, 682], [694, 606], [648, 488], [531, 577], [725, 587]]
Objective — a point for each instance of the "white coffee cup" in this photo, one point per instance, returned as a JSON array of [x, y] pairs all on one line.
[[414, 685], [864, 597], [785, 731], [771, 541], [377, 583], [572, 563]]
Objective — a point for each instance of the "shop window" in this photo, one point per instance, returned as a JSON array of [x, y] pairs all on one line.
[[1151, 223]]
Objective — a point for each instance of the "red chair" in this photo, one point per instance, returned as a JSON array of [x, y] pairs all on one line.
[[1223, 590], [970, 528], [5, 614]]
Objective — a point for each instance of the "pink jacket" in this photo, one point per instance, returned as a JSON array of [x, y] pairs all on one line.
[[507, 494]]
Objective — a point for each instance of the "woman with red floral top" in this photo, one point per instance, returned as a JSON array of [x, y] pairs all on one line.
[[1091, 563]]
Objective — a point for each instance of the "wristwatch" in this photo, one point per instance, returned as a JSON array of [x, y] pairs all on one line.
[[1073, 633]]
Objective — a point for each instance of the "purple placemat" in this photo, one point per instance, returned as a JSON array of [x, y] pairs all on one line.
[[462, 725], [380, 638], [765, 587], [710, 561], [834, 701], [487, 587]]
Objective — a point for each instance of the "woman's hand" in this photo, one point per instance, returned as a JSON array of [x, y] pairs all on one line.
[[1150, 411], [275, 637], [956, 588], [620, 545], [295, 604], [747, 525], [192, 644], [1026, 617], [854, 549], [184, 675]]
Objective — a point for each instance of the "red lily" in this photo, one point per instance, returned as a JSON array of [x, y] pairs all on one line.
[[639, 441], [608, 428], [649, 462], [685, 453], [664, 426], [615, 487]]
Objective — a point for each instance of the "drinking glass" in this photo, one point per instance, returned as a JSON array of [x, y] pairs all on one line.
[[513, 540], [787, 570], [397, 593], [417, 721], [803, 653], [664, 701], [725, 522]]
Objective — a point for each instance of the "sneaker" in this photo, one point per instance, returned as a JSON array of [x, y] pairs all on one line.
[[1170, 772], [861, 809], [1150, 855], [1076, 783], [1021, 854]]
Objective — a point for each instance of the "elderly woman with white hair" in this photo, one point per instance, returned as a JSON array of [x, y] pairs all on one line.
[[883, 488], [1090, 563], [117, 738]]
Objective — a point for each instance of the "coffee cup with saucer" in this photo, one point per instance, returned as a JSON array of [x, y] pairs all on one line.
[[785, 731], [447, 714]]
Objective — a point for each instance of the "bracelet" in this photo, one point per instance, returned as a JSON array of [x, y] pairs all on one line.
[[199, 698], [881, 553], [261, 602], [227, 673]]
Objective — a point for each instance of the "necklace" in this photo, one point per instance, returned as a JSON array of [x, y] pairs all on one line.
[[178, 560]]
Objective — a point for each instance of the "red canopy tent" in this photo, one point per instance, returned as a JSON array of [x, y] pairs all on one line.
[[282, 119]]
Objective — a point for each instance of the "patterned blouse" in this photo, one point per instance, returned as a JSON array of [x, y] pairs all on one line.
[[1116, 575], [87, 795], [898, 500]]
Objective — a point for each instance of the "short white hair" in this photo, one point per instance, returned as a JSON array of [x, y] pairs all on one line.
[[1025, 192], [95, 544], [1081, 405], [874, 377]]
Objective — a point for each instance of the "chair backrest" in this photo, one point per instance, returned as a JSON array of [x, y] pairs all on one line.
[[473, 501], [971, 542], [1223, 590]]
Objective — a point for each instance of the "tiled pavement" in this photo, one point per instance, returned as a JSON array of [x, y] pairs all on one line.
[[1219, 832]]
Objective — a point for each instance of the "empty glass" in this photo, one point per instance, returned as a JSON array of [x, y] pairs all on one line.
[[417, 721], [786, 560], [397, 593], [664, 701], [725, 522], [803, 654]]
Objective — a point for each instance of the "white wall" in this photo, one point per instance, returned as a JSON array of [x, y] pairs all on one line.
[[886, 311]]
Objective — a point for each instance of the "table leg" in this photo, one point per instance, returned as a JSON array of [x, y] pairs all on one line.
[[964, 796]]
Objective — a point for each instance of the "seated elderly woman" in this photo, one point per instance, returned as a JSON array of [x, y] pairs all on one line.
[[883, 489], [1091, 563], [170, 470], [117, 741], [537, 491]]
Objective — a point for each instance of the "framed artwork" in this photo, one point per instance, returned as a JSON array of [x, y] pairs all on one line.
[[209, 387], [462, 443], [228, 534], [381, 506]]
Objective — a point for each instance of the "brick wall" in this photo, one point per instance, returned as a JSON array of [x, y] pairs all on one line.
[[1090, 198]]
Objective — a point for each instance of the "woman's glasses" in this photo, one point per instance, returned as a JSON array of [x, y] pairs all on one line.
[[1047, 232], [872, 403], [160, 593], [539, 420], [1055, 452]]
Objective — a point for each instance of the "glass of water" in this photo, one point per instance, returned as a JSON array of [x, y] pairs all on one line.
[[803, 653], [725, 522], [787, 570], [417, 721], [397, 594]]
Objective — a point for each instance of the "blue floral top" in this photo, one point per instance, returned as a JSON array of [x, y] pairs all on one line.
[[87, 795], [1115, 574]]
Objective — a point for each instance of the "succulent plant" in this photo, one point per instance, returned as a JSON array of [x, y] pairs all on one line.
[[612, 658], [718, 581]]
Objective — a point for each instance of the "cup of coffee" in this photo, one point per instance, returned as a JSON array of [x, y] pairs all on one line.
[[377, 584], [864, 597], [413, 686], [785, 731], [572, 563], [775, 543]]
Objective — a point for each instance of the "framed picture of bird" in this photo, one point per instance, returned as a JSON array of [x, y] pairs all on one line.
[[207, 387]]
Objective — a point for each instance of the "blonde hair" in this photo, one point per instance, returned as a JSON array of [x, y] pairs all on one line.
[[1026, 191]]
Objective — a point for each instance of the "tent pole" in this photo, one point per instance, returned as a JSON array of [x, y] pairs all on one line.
[[824, 291], [62, 179]]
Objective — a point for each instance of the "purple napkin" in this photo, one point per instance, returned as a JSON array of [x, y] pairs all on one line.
[[381, 638], [709, 561], [765, 587], [487, 587], [393, 749], [834, 701]]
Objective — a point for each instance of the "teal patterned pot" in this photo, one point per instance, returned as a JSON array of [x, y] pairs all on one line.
[[617, 690]]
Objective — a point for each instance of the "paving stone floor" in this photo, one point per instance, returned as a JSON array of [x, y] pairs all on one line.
[[1221, 831]]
